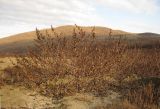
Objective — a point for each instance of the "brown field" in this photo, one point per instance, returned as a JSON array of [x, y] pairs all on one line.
[[80, 70], [18, 44]]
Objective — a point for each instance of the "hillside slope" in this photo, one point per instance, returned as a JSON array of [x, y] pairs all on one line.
[[20, 42]]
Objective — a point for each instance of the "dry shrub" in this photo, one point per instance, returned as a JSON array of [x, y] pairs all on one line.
[[142, 97], [144, 93], [60, 66], [145, 97], [147, 63]]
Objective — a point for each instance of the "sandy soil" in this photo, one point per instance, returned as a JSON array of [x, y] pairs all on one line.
[[19, 97]]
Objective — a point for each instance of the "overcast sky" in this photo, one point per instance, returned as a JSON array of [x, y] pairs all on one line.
[[18, 16]]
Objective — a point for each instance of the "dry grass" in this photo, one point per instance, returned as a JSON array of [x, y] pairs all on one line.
[[60, 66], [146, 97]]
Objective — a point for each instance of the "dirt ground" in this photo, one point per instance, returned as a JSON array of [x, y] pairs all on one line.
[[19, 97]]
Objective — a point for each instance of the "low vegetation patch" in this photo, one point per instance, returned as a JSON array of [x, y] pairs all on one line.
[[61, 66]]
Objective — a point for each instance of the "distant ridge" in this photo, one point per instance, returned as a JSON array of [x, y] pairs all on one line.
[[149, 34], [66, 30], [18, 43]]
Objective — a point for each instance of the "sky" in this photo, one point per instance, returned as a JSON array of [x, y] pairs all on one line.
[[17, 16]]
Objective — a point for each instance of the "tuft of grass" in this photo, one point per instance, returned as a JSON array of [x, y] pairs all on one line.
[[145, 97]]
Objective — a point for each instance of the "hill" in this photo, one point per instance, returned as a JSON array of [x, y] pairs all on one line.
[[20, 42]]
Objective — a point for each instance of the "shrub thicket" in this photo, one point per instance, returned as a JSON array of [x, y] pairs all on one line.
[[59, 66]]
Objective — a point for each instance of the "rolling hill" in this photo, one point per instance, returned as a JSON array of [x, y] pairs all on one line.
[[20, 42]]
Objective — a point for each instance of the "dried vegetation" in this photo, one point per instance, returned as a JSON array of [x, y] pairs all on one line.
[[61, 66]]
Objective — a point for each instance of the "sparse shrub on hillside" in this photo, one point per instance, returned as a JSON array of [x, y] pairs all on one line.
[[55, 58], [60, 66]]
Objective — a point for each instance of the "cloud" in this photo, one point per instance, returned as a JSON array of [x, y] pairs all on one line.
[[45, 13], [141, 6], [25, 15]]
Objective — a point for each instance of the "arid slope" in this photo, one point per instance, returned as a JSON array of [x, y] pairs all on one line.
[[20, 42]]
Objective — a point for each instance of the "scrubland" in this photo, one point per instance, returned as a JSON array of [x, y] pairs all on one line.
[[61, 67]]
